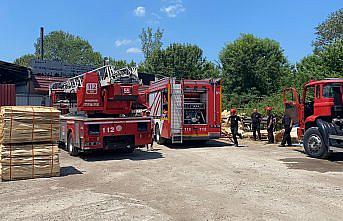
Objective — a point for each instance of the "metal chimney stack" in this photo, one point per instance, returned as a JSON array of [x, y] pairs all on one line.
[[41, 43]]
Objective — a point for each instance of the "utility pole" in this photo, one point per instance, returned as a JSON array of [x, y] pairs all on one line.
[[42, 43]]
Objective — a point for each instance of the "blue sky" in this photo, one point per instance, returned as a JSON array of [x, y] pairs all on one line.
[[112, 27]]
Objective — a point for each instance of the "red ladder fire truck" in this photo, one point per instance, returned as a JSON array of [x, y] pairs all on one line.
[[319, 115], [98, 111], [184, 110]]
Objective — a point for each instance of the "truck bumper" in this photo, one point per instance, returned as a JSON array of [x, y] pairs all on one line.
[[190, 138]]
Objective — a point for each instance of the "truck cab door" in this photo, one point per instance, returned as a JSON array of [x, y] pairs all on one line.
[[292, 104]]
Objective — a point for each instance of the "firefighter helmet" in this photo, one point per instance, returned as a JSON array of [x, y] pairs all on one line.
[[269, 108], [233, 111]]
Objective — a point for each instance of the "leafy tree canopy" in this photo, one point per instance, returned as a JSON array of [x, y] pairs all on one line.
[[118, 64], [330, 30], [181, 61], [327, 63], [25, 60], [150, 41], [253, 66], [65, 47]]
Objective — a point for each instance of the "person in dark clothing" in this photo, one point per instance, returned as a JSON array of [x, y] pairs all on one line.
[[287, 124], [256, 119], [270, 125], [234, 125]]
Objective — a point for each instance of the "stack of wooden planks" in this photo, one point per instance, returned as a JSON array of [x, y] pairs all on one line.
[[28, 147]]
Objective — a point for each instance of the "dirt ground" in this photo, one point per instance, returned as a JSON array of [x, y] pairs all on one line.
[[216, 182]]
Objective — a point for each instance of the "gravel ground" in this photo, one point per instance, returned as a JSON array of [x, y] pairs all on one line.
[[215, 182]]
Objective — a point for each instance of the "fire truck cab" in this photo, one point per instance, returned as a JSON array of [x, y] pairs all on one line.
[[319, 115], [185, 110]]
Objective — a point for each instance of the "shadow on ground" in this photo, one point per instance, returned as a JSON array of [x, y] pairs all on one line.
[[334, 157], [69, 170], [333, 164], [199, 144], [138, 154]]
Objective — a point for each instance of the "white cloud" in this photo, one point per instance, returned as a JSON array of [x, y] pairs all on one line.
[[154, 20], [173, 10], [119, 43], [133, 51], [139, 11]]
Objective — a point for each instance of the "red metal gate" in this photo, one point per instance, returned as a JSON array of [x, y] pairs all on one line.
[[7, 95]]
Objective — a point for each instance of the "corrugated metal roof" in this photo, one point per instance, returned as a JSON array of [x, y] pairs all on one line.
[[12, 73], [42, 83]]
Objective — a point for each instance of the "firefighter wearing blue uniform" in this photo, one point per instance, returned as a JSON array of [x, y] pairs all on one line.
[[234, 125], [270, 125]]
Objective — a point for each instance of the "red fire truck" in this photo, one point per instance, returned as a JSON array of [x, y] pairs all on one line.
[[319, 115], [185, 110], [99, 111]]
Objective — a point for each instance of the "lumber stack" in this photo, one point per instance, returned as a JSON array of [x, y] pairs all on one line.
[[294, 135], [28, 147]]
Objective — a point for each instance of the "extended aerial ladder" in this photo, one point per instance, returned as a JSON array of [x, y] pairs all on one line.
[[107, 74], [104, 90]]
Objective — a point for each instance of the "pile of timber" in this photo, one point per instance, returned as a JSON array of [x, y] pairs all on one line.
[[28, 147], [294, 135]]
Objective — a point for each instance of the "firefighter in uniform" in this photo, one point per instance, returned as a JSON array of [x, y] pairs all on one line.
[[270, 125], [287, 124], [256, 119], [234, 125]]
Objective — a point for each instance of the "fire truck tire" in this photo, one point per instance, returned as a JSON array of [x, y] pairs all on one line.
[[158, 138], [129, 149], [314, 144], [72, 150]]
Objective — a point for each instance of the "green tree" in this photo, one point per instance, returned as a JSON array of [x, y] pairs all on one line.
[[326, 63], [25, 60], [330, 30], [181, 61], [121, 63], [65, 47], [253, 67], [150, 41]]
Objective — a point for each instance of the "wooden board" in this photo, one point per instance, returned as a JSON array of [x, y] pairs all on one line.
[[25, 161], [28, 146], [21, 124], [28, 172], [28, 150]]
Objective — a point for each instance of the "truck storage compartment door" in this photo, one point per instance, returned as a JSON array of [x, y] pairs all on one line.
[[176, 111]]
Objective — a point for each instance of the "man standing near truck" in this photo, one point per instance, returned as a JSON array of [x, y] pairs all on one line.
[[234, 125], [270, 125], [256, 119], [287, 123]]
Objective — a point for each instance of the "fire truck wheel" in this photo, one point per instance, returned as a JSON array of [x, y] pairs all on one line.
[[129, 149], [73, 151], [159, 139], [314, 144]]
